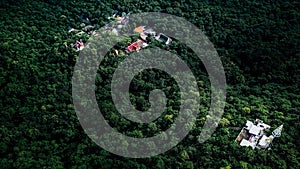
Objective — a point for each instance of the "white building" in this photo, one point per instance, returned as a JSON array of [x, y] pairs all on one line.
[[254, 135]]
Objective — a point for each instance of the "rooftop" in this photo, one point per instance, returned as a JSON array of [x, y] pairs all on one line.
[[254, 135]]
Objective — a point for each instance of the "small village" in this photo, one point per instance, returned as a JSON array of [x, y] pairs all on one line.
[[121, 19]]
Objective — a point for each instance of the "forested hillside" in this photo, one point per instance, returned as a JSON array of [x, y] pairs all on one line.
[[257, 41]]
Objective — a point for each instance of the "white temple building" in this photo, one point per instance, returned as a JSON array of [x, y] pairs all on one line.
[[254, 135]]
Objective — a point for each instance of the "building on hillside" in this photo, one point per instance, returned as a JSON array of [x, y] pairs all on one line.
[[255, 136], [163, 38]]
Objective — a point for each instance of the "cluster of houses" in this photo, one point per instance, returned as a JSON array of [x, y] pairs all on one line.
[[255, 135], [120, 19]]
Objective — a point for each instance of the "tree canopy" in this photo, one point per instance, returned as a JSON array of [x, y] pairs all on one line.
[[257, 41]]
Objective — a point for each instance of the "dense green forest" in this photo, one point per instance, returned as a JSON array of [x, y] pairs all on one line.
[[257, 41]]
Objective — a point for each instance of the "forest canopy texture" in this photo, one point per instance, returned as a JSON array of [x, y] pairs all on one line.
[[258, 44]]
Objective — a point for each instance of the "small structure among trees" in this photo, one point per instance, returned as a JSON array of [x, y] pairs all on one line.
[[255, 136]]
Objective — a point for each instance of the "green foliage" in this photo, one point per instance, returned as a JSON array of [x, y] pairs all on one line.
[[257, 42]]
